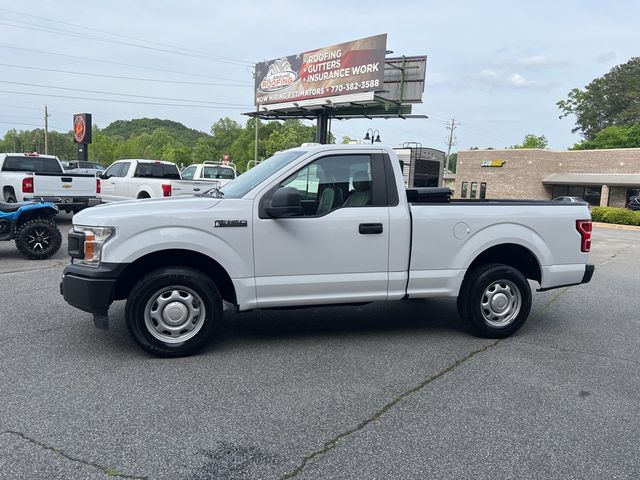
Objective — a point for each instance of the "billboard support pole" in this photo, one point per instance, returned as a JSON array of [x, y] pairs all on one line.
[[322, 127]]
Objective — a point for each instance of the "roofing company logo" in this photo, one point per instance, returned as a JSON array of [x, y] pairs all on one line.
[[280, 75], [79, 128]]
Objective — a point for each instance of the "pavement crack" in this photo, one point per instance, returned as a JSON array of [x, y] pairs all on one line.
[[579, 352], [106, 470], [333, 442]]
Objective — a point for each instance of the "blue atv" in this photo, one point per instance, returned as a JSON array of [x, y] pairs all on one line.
[[33, 227]]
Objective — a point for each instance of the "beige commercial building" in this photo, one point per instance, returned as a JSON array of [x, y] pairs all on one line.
[[601, 177]]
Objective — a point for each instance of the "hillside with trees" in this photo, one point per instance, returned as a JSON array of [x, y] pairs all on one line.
[[158, 139]]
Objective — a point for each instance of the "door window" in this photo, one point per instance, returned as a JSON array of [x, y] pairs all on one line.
[[113, 170], [333, 182], [189, 172], [123, 170], [463, 190]]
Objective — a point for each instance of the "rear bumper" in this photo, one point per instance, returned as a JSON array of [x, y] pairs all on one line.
[[91, 289], [586, 278], [65, 202]]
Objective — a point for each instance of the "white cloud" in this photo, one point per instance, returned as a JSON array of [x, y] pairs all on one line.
[[534, 61]]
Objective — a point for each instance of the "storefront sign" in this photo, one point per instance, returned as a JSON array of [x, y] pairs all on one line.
[[493, 163], [82, 128], [344, 69]]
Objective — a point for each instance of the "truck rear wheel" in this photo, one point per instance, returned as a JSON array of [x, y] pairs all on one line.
[[38, 238], [495, 300], [173, 311]]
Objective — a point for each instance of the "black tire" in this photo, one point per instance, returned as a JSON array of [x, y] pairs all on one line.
[[11, 198], [495, 300], [187, 294], [143, 195], [38, 238]]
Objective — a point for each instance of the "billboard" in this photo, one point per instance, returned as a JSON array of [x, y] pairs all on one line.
[[344, 69]]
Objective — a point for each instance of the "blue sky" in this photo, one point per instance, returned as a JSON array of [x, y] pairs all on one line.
[[497, 67]]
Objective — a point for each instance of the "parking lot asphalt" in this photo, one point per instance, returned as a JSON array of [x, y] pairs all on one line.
[[398, 390]]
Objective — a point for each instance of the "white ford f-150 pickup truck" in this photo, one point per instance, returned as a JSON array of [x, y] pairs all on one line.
[[321, 225], [29, 176], [218, 173], [138, 178]]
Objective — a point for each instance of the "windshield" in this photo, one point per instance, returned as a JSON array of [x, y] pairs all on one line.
[[258, 174]]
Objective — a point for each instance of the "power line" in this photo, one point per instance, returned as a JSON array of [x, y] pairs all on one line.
[[34, 125], [101, 92], [127, 78], [57, 21], [59, 31], [102, 61], [113, 100]]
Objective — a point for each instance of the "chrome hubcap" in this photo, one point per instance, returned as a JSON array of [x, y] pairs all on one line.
[[174, 314], [500, 304]]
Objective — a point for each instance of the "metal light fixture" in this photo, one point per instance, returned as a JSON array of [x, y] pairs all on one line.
[[374, 134]]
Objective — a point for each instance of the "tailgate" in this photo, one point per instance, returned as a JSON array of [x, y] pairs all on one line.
[[190, 187], [67, 185]]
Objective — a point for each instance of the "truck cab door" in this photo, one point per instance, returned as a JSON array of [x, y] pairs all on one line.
[[336, 250], [108, 183]]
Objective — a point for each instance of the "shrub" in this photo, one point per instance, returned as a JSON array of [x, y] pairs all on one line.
[[620, 216]]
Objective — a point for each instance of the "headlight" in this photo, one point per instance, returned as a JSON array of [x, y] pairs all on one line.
[[94, 239]]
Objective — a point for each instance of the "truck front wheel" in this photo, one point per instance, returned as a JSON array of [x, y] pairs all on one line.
[[173, 311], [495, 300]]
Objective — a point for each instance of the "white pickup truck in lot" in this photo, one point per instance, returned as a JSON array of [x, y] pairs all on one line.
[[137, 178], [218, 173], [28, 176], [321, 225]]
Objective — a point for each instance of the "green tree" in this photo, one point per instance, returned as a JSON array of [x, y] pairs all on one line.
[[453, 162], [533, 141], [346, 139], [613, 137], [613, 99]]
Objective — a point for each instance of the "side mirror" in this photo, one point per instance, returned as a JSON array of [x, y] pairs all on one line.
[[284, 203]]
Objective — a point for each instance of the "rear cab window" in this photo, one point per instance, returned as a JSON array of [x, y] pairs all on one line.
[[31, 164], [157, 170]]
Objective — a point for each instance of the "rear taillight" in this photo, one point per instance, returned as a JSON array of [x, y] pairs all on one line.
[[166, 190], [98, 186], [584, 228], [27, 185]]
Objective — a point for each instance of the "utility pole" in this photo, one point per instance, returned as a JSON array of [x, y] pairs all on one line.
[[450, 141], [46, 131]]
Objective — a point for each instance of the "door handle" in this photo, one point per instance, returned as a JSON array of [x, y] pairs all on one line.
[[370, 228]]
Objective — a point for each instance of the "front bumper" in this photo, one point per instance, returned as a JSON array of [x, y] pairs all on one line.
[[91, 289]]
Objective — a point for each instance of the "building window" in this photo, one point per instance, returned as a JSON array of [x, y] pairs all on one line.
[[590, 195], [474, 189], [632, 192], [463, 190], [560, 191], [483, 190]]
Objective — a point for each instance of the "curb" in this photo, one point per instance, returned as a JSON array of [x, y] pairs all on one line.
[[616, 226]]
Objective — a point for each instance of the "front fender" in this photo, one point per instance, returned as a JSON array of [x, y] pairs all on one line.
[[233, 254]]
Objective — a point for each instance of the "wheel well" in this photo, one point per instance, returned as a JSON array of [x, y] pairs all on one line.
[[42, 213], [144, 194], [6, 191], [175, 257], [513, 255]]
